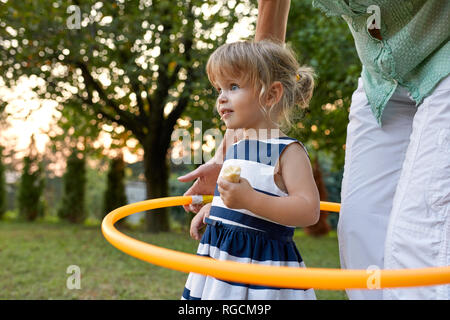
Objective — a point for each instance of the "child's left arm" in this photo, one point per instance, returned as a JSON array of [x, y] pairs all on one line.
[[300, 208]]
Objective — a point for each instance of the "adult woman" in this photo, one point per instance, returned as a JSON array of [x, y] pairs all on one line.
[[396, 187]]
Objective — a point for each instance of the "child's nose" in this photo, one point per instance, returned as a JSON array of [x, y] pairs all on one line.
[[222, 97]]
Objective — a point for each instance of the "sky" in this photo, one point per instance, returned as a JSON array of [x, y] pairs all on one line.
[[22, 103], [31, 115]]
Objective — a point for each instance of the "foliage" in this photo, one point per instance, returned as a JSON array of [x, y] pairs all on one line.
[[135, 66], [31, 186], [75, 130], [326, 44], [73, 200]]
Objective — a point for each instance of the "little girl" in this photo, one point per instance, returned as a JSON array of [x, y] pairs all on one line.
[[253, 220]]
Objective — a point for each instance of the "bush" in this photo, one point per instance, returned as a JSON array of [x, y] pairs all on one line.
[[31, 187], [115, 196], [72, 205]]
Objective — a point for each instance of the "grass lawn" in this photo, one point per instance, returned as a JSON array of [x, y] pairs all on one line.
[[34, 258]]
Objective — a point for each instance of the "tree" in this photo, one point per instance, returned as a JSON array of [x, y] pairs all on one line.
[[31, 186], [72, 206], [135, 65], [115, 190]]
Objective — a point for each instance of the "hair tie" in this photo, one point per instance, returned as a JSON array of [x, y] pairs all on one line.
[[298, 77]]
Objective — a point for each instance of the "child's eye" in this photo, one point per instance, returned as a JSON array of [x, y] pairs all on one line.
[[218, 90], [234, 86]]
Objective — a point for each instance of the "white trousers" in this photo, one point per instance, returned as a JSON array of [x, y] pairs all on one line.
[[395, 198]]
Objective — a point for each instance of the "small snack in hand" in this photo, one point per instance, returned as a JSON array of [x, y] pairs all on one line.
[[232, 173]]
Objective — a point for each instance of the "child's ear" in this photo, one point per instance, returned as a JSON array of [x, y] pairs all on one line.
[[275, 93]]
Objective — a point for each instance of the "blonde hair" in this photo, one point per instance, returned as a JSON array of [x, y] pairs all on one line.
[[261, 64]]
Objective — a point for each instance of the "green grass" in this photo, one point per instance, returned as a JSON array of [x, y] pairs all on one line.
[[34, 258]]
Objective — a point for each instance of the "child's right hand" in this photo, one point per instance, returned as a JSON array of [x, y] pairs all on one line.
[[198, 223]]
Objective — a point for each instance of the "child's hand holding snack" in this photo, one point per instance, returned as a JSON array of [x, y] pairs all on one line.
[[235, 191]]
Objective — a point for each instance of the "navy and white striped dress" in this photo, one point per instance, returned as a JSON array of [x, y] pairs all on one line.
[[243, 236]]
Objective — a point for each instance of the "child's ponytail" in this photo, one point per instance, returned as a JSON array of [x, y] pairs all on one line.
[[305, 86]]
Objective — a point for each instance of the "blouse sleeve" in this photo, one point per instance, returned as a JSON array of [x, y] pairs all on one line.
[[334, 7]]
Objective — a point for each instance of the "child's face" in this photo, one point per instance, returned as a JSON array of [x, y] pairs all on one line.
[[238, 104]]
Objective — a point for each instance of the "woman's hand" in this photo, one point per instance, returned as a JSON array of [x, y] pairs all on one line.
[[208, 173], [198, 222], [235, 195], [206, 176]]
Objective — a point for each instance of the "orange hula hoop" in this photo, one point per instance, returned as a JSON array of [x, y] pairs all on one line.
[[287, 277]]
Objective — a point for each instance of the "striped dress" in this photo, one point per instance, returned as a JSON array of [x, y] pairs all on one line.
[[243, 236]]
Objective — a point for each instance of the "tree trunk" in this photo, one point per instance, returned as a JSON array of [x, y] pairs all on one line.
[[156, 173], [322, 227]]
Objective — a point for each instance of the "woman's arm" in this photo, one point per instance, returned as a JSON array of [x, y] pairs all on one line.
[[272, 20]]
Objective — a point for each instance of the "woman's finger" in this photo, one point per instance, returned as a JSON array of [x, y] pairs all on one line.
[[191, 175]]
